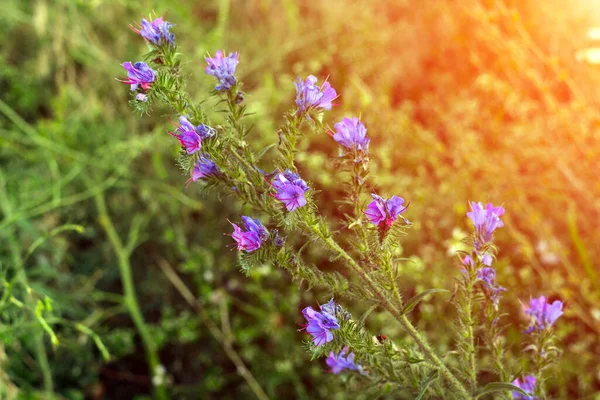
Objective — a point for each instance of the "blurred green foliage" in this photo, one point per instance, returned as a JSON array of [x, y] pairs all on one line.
[[473, 100]]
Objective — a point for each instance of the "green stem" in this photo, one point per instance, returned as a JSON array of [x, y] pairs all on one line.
[[472, 372], [129, 292], [412, 331]]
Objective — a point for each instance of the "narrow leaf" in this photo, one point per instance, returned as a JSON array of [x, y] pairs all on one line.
[[501, 387], [425, 385], [412, 303]]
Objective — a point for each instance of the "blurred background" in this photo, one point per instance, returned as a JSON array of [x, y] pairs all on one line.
[[472, 100]]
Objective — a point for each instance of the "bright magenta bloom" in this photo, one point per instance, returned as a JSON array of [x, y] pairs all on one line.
[[191, 136], [252, 238], [384, 212]]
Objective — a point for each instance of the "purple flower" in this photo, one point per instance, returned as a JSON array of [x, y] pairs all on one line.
[[252, 238], [141, 97], [333, 308], [528, 384], [381, 211], [309, 96], [320, 325], [485, 220], [468, 261], [487, 276], [351, 133], [191, 136], [290, 189], [487, 260], [138, 74], [204, 167], [340, 363], [223, 68], [543, 314], [155, 32]]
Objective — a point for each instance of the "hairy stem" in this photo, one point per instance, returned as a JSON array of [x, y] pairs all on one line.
[[472, 371], [383, 299]]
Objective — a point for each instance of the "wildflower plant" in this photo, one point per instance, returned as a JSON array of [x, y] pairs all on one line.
[[220, 158]]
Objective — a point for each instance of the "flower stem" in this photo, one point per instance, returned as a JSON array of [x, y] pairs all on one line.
[[472, 371], [131, 302], [412, 331]]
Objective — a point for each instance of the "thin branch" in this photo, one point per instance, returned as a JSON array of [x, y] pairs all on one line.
[[217, 333]]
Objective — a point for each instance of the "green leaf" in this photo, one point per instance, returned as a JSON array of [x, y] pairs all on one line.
[[425, 385], [500, 387], [412, 303]]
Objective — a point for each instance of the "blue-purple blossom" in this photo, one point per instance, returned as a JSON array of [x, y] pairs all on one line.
[[290, 189], [352, 134], [155, 31], [138, 74], [191, 136], [204, 168], [528, 384], [320, 325], [341, 363], [487, 276], [278, 240], [309, 95], [487, 259], [384, 212], [333, 308], [141, 97], [486, 220], [542, 313], [468, 261], [252, 237], [223, 68]]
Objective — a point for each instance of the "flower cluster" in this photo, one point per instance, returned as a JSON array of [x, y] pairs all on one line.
[[528, 385], [290, 189], [252, 237], [155, 32], [486, 221], [191, 136], [223, 68], [542, 313], [384, 212], [310, 96], [352, 134], [320, 324], [139, 75], [340, 362]]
